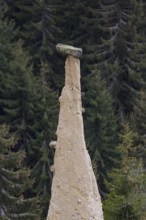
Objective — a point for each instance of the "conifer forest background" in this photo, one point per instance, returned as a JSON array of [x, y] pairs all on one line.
[[112, 34]]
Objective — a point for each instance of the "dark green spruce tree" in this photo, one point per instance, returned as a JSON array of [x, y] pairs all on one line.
[[100, 128], [39, 39], [138, 122], [14, 181], [121, 49], [37, 21], [16, 90], [16, 86], [127, 181], [46, 116]]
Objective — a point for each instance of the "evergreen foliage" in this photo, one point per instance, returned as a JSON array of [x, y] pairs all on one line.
[[16, 85], [80, 20], [17, 99], [37, 22], [121, 47], [14, 181], [46, 116], [138, 118], [100, 127], [30, 105], [116, 45], [127, 195], [138, 124], [112, 35]]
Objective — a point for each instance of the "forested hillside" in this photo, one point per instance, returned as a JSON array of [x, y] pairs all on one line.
[[112, 35]]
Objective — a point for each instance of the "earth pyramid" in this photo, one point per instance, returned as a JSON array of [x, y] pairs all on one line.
[[75, 193]]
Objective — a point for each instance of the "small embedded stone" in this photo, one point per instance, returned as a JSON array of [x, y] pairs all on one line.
[[82, 94], [83, 110], [52, 144], [52, 168], [79, 201]]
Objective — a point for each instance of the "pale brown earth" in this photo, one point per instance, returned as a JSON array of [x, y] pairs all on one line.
[[75, 193]]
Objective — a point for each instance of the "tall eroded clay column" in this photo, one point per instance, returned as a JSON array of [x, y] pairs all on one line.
[[75, 193]]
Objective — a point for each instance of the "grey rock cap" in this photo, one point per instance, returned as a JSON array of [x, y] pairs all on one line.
[[69, 50]]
